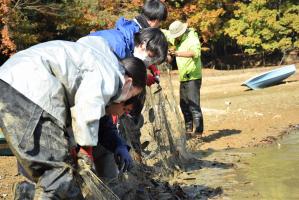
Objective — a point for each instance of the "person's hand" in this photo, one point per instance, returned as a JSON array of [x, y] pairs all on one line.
[[154, 70], [171, 48], [123, 158], [171, 52], [85, 158], [150, 80]]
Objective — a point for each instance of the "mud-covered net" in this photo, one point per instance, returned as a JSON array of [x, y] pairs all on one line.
[[92, 187], [163, 128], [163, 115], [165, 153]]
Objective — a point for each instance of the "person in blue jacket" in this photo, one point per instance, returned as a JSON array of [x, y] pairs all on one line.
[[127, 40], [121, 38]]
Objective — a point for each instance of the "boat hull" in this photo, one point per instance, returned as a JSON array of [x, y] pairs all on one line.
[[270, 78]]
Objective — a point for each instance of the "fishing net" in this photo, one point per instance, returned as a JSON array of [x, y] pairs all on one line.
[[164, 152], [162, 129], [92, 187], [166, 122]]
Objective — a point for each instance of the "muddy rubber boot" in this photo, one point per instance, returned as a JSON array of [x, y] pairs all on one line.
[[198, 133], [189, 127], [23, 191], [198, 122], [189, 130]]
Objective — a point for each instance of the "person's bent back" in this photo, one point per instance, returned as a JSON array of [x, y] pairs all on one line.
[[57, 85]]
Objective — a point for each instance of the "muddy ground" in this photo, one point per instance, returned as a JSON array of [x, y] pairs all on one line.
[[234, 116]]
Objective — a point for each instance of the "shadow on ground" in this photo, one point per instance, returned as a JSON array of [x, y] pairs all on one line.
[[220, 133], [199, 164]]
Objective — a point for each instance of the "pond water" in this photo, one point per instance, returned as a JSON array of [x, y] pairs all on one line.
[[271, 173]]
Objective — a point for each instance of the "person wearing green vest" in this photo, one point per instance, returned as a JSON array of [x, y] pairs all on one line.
[[187, 52]]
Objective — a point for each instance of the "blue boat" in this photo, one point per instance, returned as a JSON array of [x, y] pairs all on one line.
[[4, 149], [270, 78]]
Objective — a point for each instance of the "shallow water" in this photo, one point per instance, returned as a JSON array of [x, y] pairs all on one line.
[[270, 172]]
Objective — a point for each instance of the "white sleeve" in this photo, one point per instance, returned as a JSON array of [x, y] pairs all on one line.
[[90, 101]]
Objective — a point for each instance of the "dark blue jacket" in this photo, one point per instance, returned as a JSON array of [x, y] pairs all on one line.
[[108, 134], [121, 38]]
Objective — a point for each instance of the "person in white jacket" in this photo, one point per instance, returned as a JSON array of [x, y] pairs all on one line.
[[53, 92]]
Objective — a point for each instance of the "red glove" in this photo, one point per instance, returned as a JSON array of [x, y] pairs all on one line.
[[154, 70], [114, 119], [85, 158], [85, 152], [150, 80]]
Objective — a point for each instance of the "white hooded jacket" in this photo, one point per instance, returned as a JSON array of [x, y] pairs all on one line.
[[71, 81]]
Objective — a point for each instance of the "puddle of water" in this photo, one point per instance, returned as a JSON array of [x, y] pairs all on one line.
[[273, 173]]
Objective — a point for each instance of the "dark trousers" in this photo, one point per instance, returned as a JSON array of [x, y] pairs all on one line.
[[190, 105], [40, 144], [105, 165]]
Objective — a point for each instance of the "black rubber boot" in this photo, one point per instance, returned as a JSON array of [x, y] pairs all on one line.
[[189, 127], [198, 122]]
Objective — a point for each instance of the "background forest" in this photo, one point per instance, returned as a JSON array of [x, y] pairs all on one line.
[[233, 33]]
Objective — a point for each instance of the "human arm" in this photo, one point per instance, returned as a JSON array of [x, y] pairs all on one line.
[[109, 137], [186, 54], [108, 134], [98, 85]]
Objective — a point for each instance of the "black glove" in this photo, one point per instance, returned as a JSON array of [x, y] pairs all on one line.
[[123, 158]]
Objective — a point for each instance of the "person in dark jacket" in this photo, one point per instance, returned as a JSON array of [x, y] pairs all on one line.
[[153, 13]]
